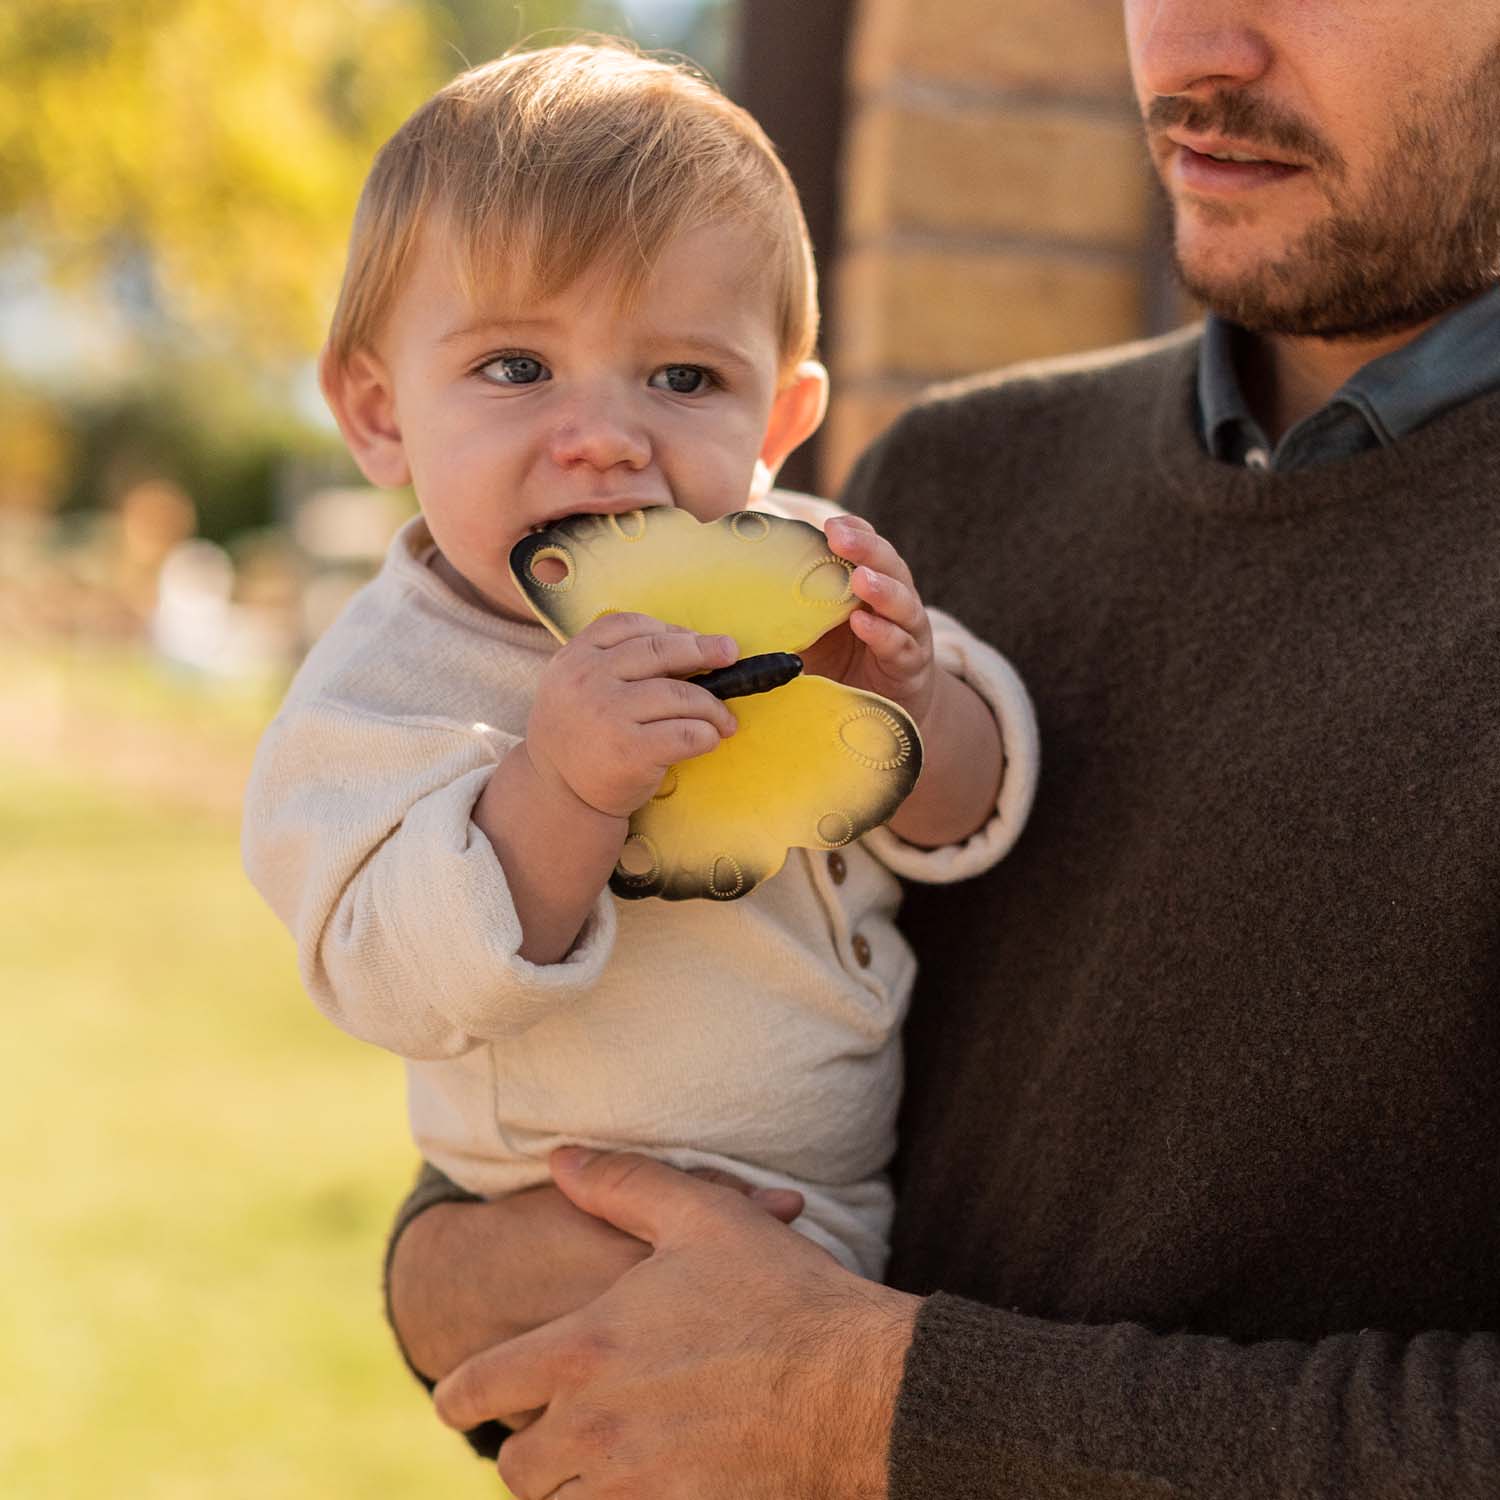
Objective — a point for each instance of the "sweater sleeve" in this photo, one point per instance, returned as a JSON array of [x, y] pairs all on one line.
[[995, 1405], [358, 832]]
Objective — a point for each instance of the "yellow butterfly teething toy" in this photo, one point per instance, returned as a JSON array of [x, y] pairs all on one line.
[[814, 763]]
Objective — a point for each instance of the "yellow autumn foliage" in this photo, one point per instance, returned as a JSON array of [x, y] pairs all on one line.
[[214, 148]]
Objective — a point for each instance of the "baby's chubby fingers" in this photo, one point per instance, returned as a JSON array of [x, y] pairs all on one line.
[[893, 600], [655, 700], [670, 651], [881, 581], [899, 652], [856, 541]]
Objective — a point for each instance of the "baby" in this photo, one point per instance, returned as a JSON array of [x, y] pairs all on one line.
[[579, 281]]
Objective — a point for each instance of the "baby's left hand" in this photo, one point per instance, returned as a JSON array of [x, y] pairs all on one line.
[[886, 647]]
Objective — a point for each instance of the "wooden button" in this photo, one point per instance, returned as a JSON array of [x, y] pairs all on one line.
[[837, 868], [861, 946]]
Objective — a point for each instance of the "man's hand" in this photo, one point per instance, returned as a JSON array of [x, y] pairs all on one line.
[[465, 1275], [721, 1366]]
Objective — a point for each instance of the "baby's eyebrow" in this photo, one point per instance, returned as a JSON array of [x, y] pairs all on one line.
[[489, 324], [710, 350]]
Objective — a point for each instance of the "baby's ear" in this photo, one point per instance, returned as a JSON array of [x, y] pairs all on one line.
[[360, 394], [795, 413]]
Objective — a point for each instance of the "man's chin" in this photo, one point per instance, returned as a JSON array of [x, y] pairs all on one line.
[[1261, 305], [1307, 290]]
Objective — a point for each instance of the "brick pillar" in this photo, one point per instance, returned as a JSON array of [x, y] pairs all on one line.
[[996, 199]]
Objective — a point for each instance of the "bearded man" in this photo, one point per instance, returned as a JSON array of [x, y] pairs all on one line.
[[1200, 1158]]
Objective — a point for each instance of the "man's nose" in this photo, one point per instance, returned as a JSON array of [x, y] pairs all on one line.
[[597, 430], [1194, 46]]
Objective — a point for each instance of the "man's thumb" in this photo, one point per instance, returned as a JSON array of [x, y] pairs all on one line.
[[643, 1197]]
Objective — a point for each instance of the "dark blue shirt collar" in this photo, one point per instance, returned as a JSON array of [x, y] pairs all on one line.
[[1455, 360]]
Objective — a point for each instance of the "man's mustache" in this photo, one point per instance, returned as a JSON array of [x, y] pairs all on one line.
[[1246, 118]]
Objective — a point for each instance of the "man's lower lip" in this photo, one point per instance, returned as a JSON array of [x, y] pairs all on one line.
[[1206, 174]]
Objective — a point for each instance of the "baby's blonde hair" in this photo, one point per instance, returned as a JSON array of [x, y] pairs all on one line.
[[557, 159]]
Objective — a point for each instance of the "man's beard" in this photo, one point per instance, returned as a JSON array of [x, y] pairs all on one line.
[[1425, 238]]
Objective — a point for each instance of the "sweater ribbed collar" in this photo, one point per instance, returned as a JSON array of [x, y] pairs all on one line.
[[1458, 449]]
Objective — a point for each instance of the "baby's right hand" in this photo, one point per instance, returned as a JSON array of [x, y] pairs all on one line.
[[612, 712]]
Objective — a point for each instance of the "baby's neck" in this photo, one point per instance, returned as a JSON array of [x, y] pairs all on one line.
[[466, 590]]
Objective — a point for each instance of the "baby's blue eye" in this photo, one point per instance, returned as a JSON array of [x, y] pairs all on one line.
[[515, 369], [685, 380]]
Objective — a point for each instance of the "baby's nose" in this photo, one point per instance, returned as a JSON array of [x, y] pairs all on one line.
[[601, 434]]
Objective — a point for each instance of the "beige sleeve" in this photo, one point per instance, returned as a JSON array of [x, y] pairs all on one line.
[[996, 681], [358, 833]]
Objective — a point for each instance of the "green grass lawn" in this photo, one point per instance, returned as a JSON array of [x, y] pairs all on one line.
[[200, 1174]]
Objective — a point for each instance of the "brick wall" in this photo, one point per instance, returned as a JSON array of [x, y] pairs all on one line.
[[996, 199]]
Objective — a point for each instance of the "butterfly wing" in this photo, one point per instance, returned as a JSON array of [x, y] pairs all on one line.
[[770, 582], [813, 765]]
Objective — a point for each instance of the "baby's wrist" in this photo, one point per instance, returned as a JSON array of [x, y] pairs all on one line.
[[939, 707], [551, 783], [959, 721]]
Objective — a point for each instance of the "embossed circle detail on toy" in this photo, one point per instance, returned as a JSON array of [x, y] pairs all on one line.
[[826, 581], [639, 862], [835, 829], [727, 878], [629, 525], [667, 787], [556, 571], [750, 526], [876, 739]]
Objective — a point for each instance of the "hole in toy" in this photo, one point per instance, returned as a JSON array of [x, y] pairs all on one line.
[[552, 567], [638, 863], [826, 582]]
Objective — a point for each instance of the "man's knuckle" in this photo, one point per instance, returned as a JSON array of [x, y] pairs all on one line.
[[509, 1470], [597, 1430]]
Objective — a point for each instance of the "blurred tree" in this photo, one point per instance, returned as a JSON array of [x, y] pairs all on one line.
[[192, 165], [35, 444], [202, 156], [189, 424]]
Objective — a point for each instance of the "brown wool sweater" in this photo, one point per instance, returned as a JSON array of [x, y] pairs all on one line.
[[1199, 1145]]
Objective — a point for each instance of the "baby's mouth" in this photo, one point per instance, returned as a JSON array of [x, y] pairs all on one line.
[[604, 512]]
